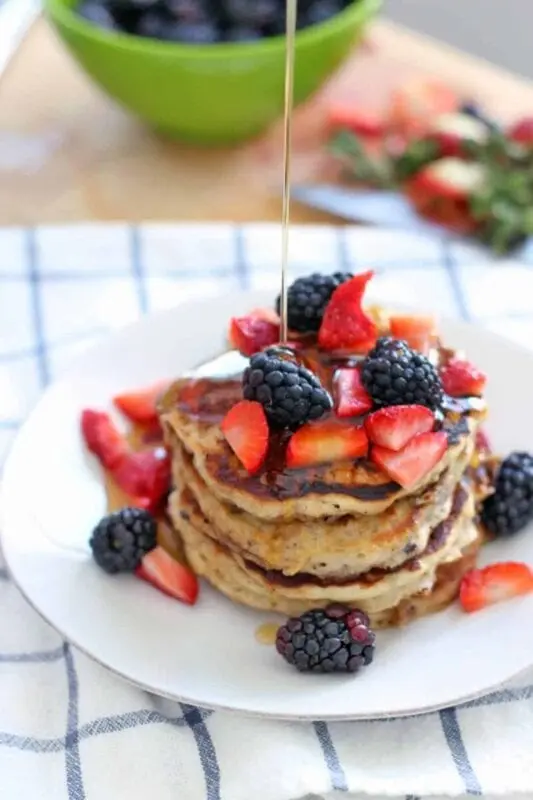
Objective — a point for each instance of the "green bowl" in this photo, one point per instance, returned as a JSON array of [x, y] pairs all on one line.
[[210, 94]]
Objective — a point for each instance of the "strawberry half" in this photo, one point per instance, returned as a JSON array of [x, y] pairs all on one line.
[[251, 334], [145, 476], [452, 130], [495, 583], [415, 330], [462, 379], [141, 405], [352, 399], [325, 442], [395, 426], [522, 131], [409, 465], [246, 430], [345, 325], [362, 123], [450, 178], [103, 438], [169, 576]]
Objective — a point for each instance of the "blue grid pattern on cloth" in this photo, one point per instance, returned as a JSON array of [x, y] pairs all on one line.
[[62, 288]]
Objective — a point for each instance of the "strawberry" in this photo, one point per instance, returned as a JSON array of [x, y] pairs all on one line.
[[141, 405], [395, 426], [144, 476], [102, 438], [462, 379], [325, 442], [408, 465], [497, 582], [246, 430], [522, 131], [451, 178], [344, 324], [252, 333], [453, 129], [362, 123], [417, 102], [169, 576], [415, 330], [352, 399], [442, 190]]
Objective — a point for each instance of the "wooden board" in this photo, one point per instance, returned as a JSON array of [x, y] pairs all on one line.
[[68, 153]]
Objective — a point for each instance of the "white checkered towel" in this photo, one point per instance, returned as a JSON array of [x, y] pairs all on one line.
[[71, 731]]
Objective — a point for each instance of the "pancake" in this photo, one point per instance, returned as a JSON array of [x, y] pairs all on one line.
[[191, 412], [337, 546], [388, 598], [288, 540]]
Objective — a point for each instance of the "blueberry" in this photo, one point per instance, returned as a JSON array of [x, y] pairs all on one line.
[[472, 109], [188, 10], [193, 33], [152, 25], [98, 14], [255, 13], [320, 11], [242, 34], [118, 6]]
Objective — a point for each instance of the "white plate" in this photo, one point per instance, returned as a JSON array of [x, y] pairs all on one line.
[[207, 655]]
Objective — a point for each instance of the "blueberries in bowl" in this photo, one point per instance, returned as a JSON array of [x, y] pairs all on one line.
[[205, 21]]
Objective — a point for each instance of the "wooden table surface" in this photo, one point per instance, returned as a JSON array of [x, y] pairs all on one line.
[[68, 153]]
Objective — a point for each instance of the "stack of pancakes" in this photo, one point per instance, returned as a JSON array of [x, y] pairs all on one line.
[[290, 540]]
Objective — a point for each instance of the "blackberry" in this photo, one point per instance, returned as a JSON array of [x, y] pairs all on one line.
[[510, 508], [121, 539], [307, 299], [393, 375], [334, 639], [290, 394]]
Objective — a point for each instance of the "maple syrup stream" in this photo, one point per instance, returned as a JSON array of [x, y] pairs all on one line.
[[290, 32]]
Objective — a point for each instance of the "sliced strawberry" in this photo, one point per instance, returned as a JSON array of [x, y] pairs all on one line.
[[103, 438], [141, 404], [362, 123], [325, 442], [246, 430], [450, 177], [462, 379], [415, 330], [442, 191], [414, 105], [395, 426], [345, 325], [352, 399], [453, 130], [169, 576], [522, 131], [412, 462], [251, 334], [497, 582], [145, 476]]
